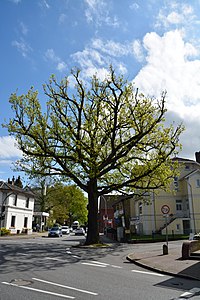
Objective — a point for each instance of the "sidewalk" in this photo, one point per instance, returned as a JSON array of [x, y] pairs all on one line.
[[170, 264], [24, 236]]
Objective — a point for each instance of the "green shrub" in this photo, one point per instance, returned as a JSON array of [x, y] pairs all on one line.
[[5, 231]]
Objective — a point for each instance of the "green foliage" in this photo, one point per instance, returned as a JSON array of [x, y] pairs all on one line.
[[104, 137], [109, 132], [5, 231], [67, 203]]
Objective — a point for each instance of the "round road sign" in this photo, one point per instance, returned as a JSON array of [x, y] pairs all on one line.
[[165, 209]]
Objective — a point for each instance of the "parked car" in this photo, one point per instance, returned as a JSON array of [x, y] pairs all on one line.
[[65, 229], [80, 231], [55, 232]]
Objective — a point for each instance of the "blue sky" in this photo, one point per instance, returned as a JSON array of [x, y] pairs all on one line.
[[154, 43]]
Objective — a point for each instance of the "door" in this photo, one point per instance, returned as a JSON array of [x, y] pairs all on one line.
[[186, 226]]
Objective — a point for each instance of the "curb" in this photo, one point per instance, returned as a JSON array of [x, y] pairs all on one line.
[[140, 264]]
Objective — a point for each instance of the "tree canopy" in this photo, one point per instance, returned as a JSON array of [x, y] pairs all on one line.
[[67, 203], [103, 135], [64, 203]]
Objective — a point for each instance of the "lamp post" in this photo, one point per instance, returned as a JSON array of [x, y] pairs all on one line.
[[3, 202]]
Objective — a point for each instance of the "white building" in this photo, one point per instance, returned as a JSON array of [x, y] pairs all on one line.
[[16, 208]]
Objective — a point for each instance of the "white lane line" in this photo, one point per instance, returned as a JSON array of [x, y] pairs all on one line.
[[93, 265], [104, 264], [65, 286], [53, 258], [40, 291], [148, 273], [117, 267], [99, 263]]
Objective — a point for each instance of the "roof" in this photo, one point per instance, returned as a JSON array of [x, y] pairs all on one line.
[[180, 159], [7, 187]]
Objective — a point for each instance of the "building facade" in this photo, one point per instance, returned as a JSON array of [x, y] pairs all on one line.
[[16, 208], [176, 211]]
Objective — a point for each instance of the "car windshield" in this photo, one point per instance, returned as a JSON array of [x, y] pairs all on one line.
[[54, 229], [65, 227]]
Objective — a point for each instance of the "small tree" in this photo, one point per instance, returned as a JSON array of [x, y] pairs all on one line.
[[67, 203], [103, 137]]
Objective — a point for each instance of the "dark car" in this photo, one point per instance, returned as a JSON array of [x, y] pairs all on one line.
[[55, 232]]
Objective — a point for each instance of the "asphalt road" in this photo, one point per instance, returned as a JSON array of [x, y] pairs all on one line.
[[51, 268]]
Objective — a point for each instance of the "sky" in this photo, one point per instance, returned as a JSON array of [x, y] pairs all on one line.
[[154, 43]]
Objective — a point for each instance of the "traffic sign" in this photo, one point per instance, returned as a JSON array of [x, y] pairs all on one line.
[[165, 209]]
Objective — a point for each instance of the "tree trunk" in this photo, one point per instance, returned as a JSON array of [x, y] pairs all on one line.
[[93, 228]]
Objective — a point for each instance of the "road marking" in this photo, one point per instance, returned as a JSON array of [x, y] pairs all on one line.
[[99, 263], [147, 273], [93, 265], [40, 291], [65, 286], [53, 258], [118, 267]]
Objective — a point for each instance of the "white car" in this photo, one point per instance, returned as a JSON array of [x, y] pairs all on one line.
[[65, 229], [80, 231]]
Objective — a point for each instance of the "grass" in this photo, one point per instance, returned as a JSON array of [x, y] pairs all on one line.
[[157, 237]]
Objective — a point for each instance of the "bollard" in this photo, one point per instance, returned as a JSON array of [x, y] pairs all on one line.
[[165, 249]]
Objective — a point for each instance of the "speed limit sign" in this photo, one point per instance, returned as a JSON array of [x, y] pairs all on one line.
[[165, 209]]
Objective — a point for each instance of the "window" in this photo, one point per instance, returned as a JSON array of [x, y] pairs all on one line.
[[13, 221], [198, 183], [187, 204], [176, 183], [27, 202], [15, 200], [177, 227], [25, 222], [179, 205], [140, 208]]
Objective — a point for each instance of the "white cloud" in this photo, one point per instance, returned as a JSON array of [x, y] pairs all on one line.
[[62, 18], [171, 66], [175, 14], [61, 66], [134, 6], [51, 56], [24, 28], [97, 56], [44, 4], [138, 50], [8, 148], [22, 46], [97, 11], [112, 48]]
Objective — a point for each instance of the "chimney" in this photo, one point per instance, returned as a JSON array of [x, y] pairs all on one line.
[[197, 155]]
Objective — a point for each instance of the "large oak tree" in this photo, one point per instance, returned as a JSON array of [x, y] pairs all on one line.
[[101, 135]]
